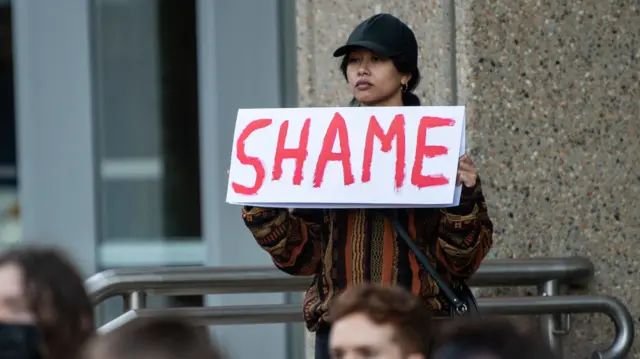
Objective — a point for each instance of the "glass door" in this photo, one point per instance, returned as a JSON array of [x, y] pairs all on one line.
[[146, 100], [9, 208]]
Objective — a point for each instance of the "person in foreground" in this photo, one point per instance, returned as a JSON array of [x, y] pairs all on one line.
[[351, 246], [45, 312], [372, 321], [495, 338], [161, 338]]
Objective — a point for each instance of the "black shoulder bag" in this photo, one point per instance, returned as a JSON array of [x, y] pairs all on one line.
[[460, 297]]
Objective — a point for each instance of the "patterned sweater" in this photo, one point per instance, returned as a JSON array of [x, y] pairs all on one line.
[[340, 247]]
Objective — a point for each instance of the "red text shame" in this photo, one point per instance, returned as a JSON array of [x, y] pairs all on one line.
[[337, 136], [423, 150], [396, 131], [298, 154], [337, 130], [248, 160]]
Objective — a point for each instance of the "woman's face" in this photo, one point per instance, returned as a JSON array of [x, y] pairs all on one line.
[[374, 80], [14, 307]]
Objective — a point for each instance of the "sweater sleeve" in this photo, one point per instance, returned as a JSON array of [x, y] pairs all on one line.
[[293, 238], [465, 234]]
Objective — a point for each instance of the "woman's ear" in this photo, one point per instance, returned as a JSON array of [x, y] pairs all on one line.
[[405, 79]]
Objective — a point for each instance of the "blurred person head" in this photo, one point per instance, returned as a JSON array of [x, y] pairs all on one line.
[[165, 338], [372, 321], [380, 62], [45, 312], [488, 339]]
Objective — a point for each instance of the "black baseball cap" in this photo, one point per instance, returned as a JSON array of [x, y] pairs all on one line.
[[383, 34]]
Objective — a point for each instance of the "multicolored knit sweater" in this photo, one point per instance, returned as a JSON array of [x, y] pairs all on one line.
[[341, 247]]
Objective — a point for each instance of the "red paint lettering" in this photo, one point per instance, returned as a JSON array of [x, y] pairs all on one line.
[[337, 128], [396, 130], [248, 160], [299, 154], [423, 150]]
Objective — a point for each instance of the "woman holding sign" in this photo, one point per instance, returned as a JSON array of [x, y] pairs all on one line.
[[425, 250]]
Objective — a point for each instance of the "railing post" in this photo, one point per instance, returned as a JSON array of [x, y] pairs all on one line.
[[135, 300], [549, 322]]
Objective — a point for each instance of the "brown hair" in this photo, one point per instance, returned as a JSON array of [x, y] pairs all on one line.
[[495, 337], [56, 295], [389, 305], [145, 338]]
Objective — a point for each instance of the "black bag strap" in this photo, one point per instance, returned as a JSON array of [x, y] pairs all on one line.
[[458, 305]]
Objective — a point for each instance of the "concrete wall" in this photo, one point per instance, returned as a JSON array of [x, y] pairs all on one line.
[[553, 101]]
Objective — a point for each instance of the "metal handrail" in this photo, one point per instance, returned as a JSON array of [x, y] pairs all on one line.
[[286, 313], [547, 274], [221, 280]]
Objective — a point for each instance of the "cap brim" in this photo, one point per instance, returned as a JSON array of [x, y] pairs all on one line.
[[372, 46]]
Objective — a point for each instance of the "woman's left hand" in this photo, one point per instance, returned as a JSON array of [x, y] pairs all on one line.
[[467, 172]]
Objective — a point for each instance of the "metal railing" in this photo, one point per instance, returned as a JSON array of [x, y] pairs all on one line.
[[547, 274], [575, 271]]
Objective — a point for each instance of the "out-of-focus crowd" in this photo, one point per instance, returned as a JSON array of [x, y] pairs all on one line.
[[45, 313]]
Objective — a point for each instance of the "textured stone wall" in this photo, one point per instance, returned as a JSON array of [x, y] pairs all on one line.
[[553, 97]]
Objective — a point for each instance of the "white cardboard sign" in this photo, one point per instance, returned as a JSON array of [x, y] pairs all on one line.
[[352, 157]]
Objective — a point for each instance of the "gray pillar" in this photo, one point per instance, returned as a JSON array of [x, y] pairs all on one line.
[[241, 43], [56, 164]]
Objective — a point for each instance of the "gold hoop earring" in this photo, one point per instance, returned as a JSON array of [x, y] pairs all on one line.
[[403, 87]]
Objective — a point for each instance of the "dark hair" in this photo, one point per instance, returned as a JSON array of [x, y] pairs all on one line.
[[161, 338], [499, 338], [410, 317], [404, 65], [56, 295]]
